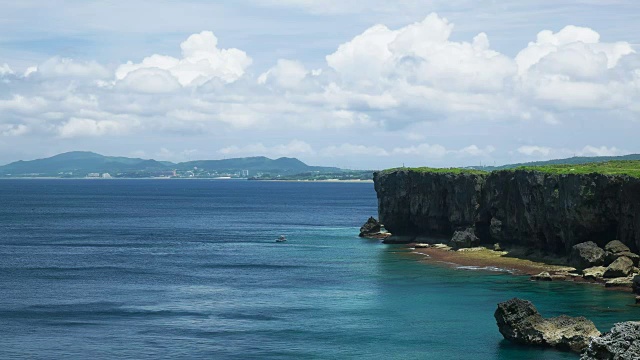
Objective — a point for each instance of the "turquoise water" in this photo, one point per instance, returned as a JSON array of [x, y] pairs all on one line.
[[189, 269]]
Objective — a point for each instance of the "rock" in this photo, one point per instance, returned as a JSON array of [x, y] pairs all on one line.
[[611, 257], [622, 342], [616, 247], [543, 276], [399, 239], [594, 273], [621, 282], [497, 247], [371, 227], [623, 266], [586, 255], [464, 239], [519, 321], [637, 300], [542, 211], [635, 284], [422, 246]]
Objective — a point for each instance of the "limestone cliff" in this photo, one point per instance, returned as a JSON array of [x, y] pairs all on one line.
[[551, 212]]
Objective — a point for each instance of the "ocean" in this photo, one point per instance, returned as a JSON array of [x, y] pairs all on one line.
[[189, 269]]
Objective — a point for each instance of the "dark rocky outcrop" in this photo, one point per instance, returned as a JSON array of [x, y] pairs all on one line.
[[549, 212], [621, 343], [519, 321], [586, 255], [464, 239], [370, 228], [636, 284], [623, 266]]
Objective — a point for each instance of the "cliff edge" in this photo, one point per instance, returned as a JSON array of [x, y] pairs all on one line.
[[546, 211]]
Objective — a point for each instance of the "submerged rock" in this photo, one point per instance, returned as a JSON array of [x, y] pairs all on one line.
[[623, 266], [464, 239], [621, 343], [543, 276], [371, 227], [621, 282], [586, 255], [519, 321], [399, 239], [635, 284]]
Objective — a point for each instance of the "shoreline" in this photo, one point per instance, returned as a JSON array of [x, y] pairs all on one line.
[[483, 259]]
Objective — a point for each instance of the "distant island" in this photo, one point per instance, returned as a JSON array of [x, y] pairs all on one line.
[[84, 164]]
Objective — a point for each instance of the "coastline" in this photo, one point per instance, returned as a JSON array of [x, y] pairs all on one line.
[[483, 258]]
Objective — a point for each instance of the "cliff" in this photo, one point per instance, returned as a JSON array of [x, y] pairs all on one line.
[[547, 211]]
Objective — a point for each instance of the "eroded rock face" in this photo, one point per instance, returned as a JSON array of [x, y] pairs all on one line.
[[519, 321], [621, 343], [586, 255], [541, 211], [635, 284], [623, 266], [371, 227], [464, 239]]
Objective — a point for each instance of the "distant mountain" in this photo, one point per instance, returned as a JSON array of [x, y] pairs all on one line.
[[82, 163], [257, 163], [568, 161]]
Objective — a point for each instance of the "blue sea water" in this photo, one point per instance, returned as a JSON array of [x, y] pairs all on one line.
[[188, 269]]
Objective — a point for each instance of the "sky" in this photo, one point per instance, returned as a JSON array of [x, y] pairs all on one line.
[[357, 84]]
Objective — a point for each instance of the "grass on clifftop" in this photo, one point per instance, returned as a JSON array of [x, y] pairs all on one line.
[[627, 167], [455, 171], [622, 167]]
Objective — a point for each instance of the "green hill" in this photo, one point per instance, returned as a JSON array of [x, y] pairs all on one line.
[[82, 163], [576, 160]]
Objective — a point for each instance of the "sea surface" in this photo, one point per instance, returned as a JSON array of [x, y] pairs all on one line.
[[189, 269]]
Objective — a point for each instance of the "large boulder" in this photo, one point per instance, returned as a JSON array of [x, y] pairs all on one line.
[[586, 255], [519, 321], [621, 343], [611, 257], [594, 273], [464, 239], [623, 266], [616, 247], [370, 228]]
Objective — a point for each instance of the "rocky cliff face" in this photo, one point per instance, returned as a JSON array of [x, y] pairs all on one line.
[[544, 211]]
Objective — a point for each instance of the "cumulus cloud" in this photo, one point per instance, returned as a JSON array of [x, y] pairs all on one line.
[[600, 151], [382, 81], [201, 61], [293, 148]]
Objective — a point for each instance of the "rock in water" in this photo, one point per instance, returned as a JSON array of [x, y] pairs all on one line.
[[586, 255], [519, 321], [621, 343], [594, 273], [371, 227], [464, 239], [623, 266]]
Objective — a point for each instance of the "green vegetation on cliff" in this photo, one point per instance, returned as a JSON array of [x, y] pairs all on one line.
[[454, 171], [619, 167], [625, 167]]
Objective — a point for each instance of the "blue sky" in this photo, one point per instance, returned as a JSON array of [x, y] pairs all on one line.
[[361, 84]]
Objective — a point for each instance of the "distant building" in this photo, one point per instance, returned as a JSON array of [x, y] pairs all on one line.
[[93, 175], [106, 176], [245, 172]]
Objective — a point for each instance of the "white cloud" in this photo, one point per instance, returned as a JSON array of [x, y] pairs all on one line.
[[600, 151], [350, 149], [201, 61], [293, 148], [65, 67], [5, 70], [286, 74], [88, 127], [150, 80], [13, 130], [532, 150]]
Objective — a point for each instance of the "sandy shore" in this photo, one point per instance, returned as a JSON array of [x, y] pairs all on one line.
[[489, 259]]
